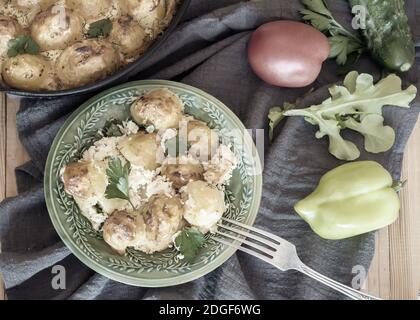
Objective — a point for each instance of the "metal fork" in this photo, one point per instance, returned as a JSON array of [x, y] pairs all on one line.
[[276, 251]]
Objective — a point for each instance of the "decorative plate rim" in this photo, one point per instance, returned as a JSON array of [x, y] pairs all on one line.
[[114, 274]]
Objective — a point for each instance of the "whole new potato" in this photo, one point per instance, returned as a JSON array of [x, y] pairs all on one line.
[[130, 38], [57, 28], [29, 72], [287, 53], [85, 62], [122, 230], [160, 108], [140, 150]]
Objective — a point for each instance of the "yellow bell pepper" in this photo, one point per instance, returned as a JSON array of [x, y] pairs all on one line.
[[351, 199]]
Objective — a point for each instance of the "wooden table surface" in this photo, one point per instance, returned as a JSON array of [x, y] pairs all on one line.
[[395, 271]]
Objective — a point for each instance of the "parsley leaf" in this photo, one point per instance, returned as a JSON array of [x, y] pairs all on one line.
[[188, 242], [118, 180], [22, 44], [342, 47], [317, 6], [319, 21], [345, 45], [100, 28]]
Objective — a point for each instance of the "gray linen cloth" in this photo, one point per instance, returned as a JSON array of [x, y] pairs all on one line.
[[208, 50]]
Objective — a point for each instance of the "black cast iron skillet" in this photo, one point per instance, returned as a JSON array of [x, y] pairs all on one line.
[[116, 78]]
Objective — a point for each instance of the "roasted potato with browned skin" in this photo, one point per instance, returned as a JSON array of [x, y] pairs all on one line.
[[130, 38], [84, 180], [122, 230], [182, 170], [140, 149], [85, 62], [57, 28], [162, 219], [29, 72], [160, 108]]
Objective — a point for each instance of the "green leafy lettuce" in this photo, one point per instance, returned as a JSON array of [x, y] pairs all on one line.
[[356, 105]]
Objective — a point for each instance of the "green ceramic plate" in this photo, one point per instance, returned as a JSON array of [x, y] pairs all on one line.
[[136, 268]]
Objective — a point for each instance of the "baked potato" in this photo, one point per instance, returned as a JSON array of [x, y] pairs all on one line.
[[85, 62], [182, 170], [122, 230], [160, 108], [130, 38], [162, 220], [140, 150], [29, 72], [84, 180], [56, 28], [204, 205]]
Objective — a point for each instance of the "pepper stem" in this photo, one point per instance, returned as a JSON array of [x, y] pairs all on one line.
[[398, 185]]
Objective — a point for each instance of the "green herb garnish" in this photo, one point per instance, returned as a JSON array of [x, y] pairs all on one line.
[[188, 242], [118, 180], [100, 28], [346, 46], [20, 45]]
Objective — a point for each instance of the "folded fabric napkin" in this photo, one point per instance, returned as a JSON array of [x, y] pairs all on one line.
[[208, 50]]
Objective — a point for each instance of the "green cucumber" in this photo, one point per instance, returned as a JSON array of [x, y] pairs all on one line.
[[388, 34]]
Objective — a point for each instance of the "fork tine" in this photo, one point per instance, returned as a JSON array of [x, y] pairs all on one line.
[[249, 235], [271, 236], [248, 243], [246, 250]]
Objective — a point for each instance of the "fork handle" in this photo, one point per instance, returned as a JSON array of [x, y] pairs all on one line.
[[349, 292]]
